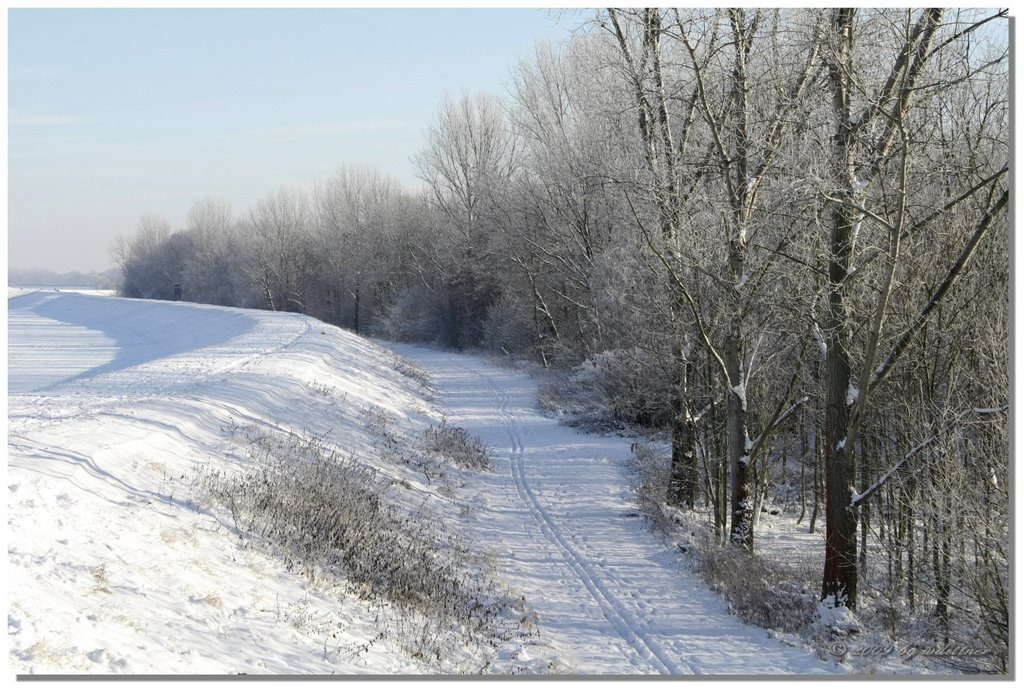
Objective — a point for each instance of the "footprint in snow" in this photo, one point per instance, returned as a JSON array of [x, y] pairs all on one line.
[[103, 657]]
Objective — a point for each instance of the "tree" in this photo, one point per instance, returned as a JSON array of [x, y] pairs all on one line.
[[711, 142], [566, 118], [277, 248], [355, 219], [470, 153], [871, 175], [149, 263], [211, 272]]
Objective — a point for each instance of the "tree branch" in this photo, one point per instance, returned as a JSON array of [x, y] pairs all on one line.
[[940, 292], [857, 499]]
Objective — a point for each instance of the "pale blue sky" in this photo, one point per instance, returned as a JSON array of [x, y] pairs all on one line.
[[116, 113]]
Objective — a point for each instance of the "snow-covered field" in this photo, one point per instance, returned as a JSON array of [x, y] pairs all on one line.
[[115, 405]]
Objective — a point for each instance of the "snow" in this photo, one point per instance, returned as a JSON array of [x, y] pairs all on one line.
[[820, 340], [835, 619], [856, 496], [561, 509], [852, 394], [113, 406], [740, 392], [109, 570], [880, 369]]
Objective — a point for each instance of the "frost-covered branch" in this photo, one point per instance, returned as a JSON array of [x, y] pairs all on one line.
[[954, 272], [857, 499]]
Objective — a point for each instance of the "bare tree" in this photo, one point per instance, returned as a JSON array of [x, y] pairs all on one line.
[[708, 139], [277, 246], [148, 262], [211, 272], [354, 232], [471, 153], [871, 182]]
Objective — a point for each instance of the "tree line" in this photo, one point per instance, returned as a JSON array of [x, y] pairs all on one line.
[[781, 236]]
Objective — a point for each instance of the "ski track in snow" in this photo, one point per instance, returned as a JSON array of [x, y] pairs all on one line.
[[646, 649]]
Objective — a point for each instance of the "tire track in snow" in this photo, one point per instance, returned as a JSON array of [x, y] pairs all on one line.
[[613, 610]]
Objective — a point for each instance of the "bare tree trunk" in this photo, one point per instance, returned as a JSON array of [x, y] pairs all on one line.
[[660, 153], [355, 309], [911, 545], [865, 511], [839, 579], [684, 477], [803, 470], [741, 530], [816, 481]]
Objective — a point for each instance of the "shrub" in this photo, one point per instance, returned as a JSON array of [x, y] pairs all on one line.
[[509, 327], [411, 370], [382, 426], [417, 316], [457, 446], [613, 390], [451, 315], [653, 474], [758, 590]]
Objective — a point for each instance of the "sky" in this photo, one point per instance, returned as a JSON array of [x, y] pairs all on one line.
[[117, 113]]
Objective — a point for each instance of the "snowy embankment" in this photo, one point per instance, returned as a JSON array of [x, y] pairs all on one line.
[[113, 407], [117, 407]]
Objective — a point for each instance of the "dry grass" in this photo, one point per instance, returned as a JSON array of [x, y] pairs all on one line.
[[329, 518]]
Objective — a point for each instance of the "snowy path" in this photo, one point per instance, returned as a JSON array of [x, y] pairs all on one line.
[[559, 517]]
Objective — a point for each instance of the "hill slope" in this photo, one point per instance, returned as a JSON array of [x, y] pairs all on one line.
[[114, 408]]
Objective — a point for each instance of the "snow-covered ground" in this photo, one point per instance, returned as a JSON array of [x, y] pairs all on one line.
[[114, 405], [560, 516]]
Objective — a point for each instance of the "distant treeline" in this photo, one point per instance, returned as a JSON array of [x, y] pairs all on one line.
[[44, 277]]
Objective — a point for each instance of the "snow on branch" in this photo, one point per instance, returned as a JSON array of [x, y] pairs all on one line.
[[752, 446], [820, 340]]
